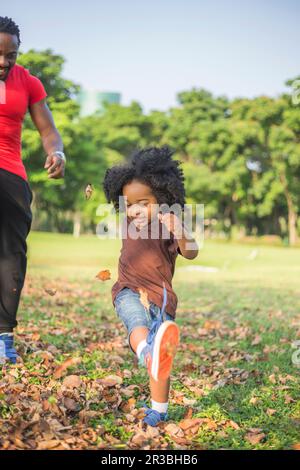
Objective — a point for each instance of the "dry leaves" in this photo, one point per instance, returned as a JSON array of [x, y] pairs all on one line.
[[51, 292], [254, 436], [104, 275], [88, 191], [144, 298], [72, 381], [95, 405], [60, 371]]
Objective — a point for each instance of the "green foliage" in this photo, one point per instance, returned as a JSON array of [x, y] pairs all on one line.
[[241, 157]]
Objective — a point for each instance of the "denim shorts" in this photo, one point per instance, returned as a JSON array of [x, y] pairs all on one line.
[[132, 312]]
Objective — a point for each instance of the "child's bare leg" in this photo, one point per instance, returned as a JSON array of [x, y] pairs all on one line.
[[160, 390], [137, 335]]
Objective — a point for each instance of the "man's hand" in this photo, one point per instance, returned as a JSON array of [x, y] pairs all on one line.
[[55, 166]]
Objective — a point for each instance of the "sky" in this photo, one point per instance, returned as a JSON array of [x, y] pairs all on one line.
[[152, 50]]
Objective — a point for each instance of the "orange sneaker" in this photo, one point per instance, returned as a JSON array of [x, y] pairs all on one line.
[[159, 354]]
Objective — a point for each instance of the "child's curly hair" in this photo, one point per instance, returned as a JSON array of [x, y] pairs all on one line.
[[153, 166]]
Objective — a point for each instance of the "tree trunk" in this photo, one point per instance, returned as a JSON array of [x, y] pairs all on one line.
[[76, 224], [292, 213], [292, 221]]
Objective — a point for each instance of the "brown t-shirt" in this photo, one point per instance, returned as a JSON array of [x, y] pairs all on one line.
[[147, 263]]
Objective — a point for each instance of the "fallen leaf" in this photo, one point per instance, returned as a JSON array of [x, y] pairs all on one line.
[[51, 291], [104, 275], [254, 438], [190, 423], [72, 381], [254, 400], [173, 430], [139, 439], [46, 445], [88, 191], [128, 405], [144, 299], [256, 341], [212, 325], [233, 424], [272, 378], [70, 404], [111, 381], [59, 372]]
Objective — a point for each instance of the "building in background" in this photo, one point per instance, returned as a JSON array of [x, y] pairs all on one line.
[[92, 100]]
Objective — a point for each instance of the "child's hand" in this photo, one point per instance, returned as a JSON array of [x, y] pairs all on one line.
[[172, 222]]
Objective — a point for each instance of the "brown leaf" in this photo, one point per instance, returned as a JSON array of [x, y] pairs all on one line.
[[144, 299], [72, 381], [103, 275], [46, 445], [51, 291], [139, 439], [128, 405], [59, 371], [190, 423], [173, 430], [233, 424], [254, 438], [255, 430], [111, 381], [272, 378], [188, 413], [202, 332], [212, 325], [256, 341], [70, 404], [88, 191], [288, 399]]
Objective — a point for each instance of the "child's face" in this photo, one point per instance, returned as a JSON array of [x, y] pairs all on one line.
[[139, 203]]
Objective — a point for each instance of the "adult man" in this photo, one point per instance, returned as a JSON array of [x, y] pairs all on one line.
[[19, 92]]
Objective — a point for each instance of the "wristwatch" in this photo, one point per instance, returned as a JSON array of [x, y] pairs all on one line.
[[59, 154]]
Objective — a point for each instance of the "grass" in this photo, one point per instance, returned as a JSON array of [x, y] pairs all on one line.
[[235, 359]]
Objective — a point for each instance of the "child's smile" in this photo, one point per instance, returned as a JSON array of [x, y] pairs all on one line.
[[140, 203]]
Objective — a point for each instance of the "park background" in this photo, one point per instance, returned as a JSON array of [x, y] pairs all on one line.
[[219, 83]]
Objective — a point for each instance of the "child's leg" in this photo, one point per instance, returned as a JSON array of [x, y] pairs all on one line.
[[138, 335], [160, 389]]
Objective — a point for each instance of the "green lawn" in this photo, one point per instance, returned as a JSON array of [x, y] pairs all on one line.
[[234, 384]]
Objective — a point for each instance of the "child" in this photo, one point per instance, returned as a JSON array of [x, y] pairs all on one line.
[[143, 296]]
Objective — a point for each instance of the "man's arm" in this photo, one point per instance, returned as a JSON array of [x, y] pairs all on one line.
[[43, 121]]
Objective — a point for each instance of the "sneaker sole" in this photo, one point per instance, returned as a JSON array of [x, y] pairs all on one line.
[[164, 350]]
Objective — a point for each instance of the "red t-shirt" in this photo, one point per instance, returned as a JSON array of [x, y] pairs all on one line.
[[20, 90]]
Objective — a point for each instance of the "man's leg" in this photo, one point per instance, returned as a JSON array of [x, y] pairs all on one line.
[[15, 223]]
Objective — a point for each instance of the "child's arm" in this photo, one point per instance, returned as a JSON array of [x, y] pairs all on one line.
[[183, 237]]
